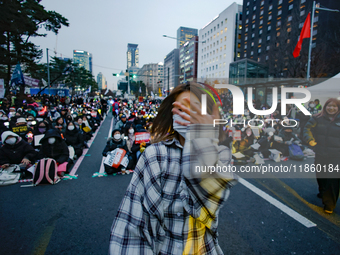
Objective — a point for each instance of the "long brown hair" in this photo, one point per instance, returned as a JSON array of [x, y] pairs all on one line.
[[324, 112], [162, 128]]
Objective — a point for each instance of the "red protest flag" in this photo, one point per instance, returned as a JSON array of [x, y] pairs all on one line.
[[305, 33]]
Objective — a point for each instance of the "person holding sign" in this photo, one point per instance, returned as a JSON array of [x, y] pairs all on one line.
[[169, 207], [115, 142]]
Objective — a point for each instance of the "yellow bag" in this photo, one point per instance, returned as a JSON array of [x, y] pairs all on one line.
[[86, 129]]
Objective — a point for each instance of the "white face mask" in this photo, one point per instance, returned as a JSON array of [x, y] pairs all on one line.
[[178, 127], [117, 136], [70, 128], [51, 140], [131, 131], [312, 105], [11, 141]]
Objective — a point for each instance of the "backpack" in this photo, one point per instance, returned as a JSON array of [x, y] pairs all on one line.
[[295, 152], [46, 172]]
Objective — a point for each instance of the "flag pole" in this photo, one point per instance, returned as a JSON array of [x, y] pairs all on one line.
[[310, 43]]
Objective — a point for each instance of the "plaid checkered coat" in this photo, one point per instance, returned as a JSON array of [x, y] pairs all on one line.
[[169, 208]]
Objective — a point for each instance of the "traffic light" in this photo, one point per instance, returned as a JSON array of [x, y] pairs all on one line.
[[116, 74]]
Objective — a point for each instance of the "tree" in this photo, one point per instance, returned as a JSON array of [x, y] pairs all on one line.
[[19, 21]]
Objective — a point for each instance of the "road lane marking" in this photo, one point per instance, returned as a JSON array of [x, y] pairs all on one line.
[[102, 169], [290, 212]]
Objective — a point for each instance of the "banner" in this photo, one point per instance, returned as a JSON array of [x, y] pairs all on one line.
[[17, 76], [115, 157], [2, 88], [141, 137], [29, 81]]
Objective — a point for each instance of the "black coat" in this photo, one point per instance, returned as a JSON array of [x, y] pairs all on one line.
[[14, 154], [326, 134], [74, 138], [58, 151], [112, 145]]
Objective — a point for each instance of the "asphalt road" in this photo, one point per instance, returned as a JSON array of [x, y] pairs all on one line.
[[75, 216]]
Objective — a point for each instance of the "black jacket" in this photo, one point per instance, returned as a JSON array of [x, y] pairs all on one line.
[[14, 154], [326, 134], [58, 150], [74, 138], [112, 145]]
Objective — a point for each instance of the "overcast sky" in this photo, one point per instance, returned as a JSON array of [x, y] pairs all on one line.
[[105, 27]]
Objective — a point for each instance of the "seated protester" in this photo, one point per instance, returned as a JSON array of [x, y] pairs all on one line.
[[23, 130], [74, 138], [79, 125], [243, 146], [41, 129], [114, 142], [53, 146], [59, 125], [87, 125], [121, 124], [288, 138], [4, 124], [139, 120], [132, 146], [54, 114], [64, 114], [31, 111], [16, 151], [265, 144]]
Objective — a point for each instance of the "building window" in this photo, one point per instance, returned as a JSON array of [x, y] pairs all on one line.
[[279, 12], [245, 47], [218, 26], [252, 35], [278, 23], [247, 13], [261, 13], [247, 21], [253, 26], [251, 53], [246, 29], [261, 21], [270, 7], [262, 2], [260, 32], [288, 41], [246, 38], [315, 32], [280, 2], [245, 55], [316, 19], [224, 47], [300, 25], [278, 34], [290, 18], [252, 44], [269, 28], [216, 67], [254, 9], [268, 48], [254, 16], [248, 3], [260, 41], [302, 1], [267, 57], [225, 38], [225, 30], [214, 28], [221, 23], [268, 37], [290, 7], [302, 12], [224, 55], [289, 29], [239, 45], [270, 17]]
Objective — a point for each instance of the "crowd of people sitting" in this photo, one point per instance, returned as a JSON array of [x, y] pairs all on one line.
[[47, 127]]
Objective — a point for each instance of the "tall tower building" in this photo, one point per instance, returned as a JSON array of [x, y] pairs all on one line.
[[185, 34], [132, 55], [83, 58], [101, 81]]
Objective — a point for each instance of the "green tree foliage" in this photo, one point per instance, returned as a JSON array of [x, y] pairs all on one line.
[[19, 21]]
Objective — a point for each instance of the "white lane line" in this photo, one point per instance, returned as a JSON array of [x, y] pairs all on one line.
[[290, 212], [81, 158], [101, 170]]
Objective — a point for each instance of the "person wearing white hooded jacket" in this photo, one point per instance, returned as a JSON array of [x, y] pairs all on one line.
[[15, 150]]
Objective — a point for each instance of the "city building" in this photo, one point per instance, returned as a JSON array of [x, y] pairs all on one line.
[[270, 32], [220, 43], [132, 55], [83, 58], [152, 76], [188, 60], [101, 81], [185, 34], [171, 70]]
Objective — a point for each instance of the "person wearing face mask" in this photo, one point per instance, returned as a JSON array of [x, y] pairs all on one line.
[[15, 151], [288, 137], [322, 133], [114, 142], [132, 146], [74, 138], [41, 129], [59, 125], [121, 124], [53, 146], [166, 195], [4, 124]]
